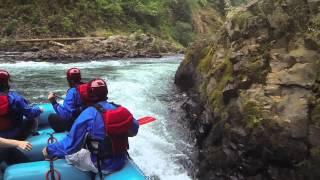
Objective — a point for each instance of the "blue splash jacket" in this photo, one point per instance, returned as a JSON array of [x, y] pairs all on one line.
[[72, 105], [19, 107], [90, 121]]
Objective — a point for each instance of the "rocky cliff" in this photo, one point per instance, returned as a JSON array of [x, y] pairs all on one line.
[[255, 93]]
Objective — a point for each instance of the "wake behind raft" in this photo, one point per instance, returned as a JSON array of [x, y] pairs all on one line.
[[59, 169]]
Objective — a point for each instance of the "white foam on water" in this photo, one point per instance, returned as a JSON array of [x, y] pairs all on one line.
[[60, 66], [139, 89]]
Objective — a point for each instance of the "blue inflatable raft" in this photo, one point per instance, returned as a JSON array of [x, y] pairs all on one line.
[[43, 118], [39, 142], [37, 170]]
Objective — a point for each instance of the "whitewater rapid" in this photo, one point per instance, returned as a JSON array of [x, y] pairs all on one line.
[[142, 85]]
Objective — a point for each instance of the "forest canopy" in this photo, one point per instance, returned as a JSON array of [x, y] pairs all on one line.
[[168, 19]]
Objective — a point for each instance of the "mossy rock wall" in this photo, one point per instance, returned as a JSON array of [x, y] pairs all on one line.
[[257, 80]]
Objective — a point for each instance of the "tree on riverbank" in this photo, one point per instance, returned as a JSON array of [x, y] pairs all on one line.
[[56, 18], [176, 20]]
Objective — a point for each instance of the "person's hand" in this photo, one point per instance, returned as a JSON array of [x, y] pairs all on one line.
[[24, 145], [45, 153], [51, 97]]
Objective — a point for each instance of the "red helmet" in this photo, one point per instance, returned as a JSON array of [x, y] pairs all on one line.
[[73, 74], [4, 76], [97, 90]]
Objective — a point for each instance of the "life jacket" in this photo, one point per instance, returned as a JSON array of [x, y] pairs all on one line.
[[117, 123], [83, 91], [5, 122]]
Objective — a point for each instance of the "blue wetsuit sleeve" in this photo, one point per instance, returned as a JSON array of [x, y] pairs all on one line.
[[29, 111], [74, 139], [69, 107], [134, 129]]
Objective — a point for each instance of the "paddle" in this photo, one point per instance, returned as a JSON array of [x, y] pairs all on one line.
[[58, 97], [146, 120]]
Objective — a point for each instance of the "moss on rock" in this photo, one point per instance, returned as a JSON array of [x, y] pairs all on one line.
[[314, 27], [252, 114], [241, 18], [205, 63], [216, 95]]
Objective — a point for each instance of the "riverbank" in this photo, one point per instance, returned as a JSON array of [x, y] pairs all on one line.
[[134, 45]]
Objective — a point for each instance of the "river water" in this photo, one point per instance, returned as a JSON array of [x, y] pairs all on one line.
[[144, 86]]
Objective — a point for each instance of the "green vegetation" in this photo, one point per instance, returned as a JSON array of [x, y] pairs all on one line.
[[176, 20], [240, 17], [252, 114], [223, 74], [216, 96], [168, 19], [205, 63], [314, 27]]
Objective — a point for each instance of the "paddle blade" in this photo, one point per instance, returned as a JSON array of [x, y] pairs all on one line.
[[146, 120]]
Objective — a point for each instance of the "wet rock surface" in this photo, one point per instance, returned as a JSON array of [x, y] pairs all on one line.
[[256, 96]]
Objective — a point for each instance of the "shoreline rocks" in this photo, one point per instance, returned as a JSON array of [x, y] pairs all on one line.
[[118, 46]]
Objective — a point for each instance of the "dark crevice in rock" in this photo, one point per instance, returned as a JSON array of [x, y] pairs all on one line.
[[291, 86]]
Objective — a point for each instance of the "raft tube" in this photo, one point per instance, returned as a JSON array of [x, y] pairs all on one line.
[[39, 142], [37, 170], [43, 118], [129, 172]]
